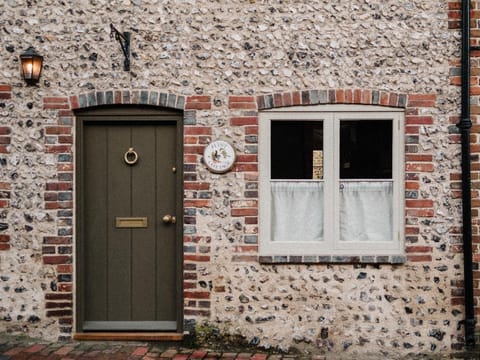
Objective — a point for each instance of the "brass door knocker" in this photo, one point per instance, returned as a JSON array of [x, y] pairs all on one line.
[[131, 156]]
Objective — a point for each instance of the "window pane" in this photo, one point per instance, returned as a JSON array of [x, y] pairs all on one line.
[[366, 149], [366, 211], [297, 150], [297, 211]]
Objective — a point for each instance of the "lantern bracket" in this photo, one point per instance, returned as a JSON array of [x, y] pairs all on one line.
[[124, 40]]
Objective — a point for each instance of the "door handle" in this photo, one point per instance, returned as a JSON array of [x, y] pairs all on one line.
[[169, 219]]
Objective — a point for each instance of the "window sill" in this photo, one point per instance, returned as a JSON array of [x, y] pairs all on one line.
[[333, 259]]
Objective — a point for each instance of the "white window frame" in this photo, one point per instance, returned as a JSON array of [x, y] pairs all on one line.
[[331, 116]]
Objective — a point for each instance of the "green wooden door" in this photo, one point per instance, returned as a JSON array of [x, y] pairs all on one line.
[[129, 255]]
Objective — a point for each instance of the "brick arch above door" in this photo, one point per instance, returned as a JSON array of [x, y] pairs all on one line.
[[133, 97]]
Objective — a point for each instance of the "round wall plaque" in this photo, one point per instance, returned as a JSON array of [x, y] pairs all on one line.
[[219, 156]]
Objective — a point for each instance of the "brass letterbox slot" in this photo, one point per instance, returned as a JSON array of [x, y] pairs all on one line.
[[131, 222]]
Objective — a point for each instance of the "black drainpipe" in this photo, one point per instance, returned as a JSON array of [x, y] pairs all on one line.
[[464, 125]]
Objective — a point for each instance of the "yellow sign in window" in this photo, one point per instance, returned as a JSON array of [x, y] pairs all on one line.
[[317, 165]]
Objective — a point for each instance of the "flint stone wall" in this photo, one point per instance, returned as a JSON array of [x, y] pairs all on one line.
[[216, 50]]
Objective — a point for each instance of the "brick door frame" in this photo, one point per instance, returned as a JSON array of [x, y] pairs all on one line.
[[58, 248]]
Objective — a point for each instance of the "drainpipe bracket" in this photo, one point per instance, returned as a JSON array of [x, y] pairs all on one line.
[[470, 338], [464, 124]]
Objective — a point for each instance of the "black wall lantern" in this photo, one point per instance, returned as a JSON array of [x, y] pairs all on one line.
[[31, 65]]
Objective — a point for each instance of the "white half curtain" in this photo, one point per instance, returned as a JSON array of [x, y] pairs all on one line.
[[366, 211], [297, 211]]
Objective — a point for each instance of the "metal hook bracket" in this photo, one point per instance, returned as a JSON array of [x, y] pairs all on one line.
[[124, 40]]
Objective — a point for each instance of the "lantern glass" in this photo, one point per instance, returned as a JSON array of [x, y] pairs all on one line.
[[31, 65]]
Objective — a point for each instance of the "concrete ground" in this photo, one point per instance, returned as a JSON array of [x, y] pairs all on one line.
[[21, 347]]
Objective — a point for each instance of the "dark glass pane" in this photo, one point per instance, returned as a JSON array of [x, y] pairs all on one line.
[[366, 149], [297, 150]]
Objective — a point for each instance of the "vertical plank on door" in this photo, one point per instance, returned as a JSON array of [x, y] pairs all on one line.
[[119, 239], [166, 239], [143, 242], [95, 215]]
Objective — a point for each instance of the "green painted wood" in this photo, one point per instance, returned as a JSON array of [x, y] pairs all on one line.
[[95, 155], [130, 275], [166, 199], [144, 240], [119, 240]]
